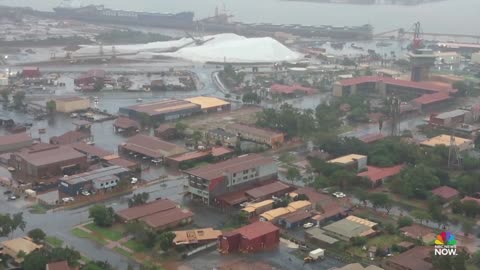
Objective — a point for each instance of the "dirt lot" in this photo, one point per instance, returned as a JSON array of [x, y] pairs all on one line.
[[244, 115]]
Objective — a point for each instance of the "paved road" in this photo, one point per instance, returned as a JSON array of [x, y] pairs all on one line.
[[60, 223]]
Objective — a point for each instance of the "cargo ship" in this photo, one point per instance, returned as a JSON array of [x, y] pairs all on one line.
[[219, 23], [98, 13]]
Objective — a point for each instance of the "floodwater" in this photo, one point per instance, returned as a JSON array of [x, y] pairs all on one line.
[[449, 16]]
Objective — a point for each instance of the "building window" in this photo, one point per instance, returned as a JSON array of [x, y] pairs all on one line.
[[245, 177], [101, 184], [245, 171], [235, 174]]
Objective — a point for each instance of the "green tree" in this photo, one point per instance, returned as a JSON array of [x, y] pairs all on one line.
[[418, 181], [468, 226], [101, 215], [451, 262], [181, 128], [98, 265], [98, 85], [165, 240], [150, 266], [379, 200], [138, 199], [196, 137], [37, 235], [470, 209], [51, 106], [5, 225], [251, 98], [18, 99], [421, 215], [293, 174], [358, 241], [361, 195], [404, 222]]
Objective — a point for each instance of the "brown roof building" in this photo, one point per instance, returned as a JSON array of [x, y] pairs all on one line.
[[240, 173], [43, 161], [14, 142], [418, 232], [158, 214], [150, 147], [197, 236], [124, 124], [417, 258], [250, 238], [90, 150], [276, 188], [71, 104], [446, 193], [62, 265], [165, 132], [260, 135], [115, 160], [70, 137], [163, 110]]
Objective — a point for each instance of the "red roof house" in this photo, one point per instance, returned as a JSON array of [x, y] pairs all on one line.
[[446, 193], [377, 175], [251, 238], [291, 89]]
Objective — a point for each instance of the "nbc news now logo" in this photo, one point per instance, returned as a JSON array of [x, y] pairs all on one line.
[[445, 244]]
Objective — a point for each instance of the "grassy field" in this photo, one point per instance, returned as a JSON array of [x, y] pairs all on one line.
[[83, 234], [135, 246], [37, 209], [385, 240], [107, 233], [54, 241], [122, 252]]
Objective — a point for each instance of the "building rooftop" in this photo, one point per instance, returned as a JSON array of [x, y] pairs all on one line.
[[290, 89], [90, 149], [254, 230], [319, 234], [413, 259], [14, 246], [207, 102], [297, 216], [357, 266], [44, 154], [416, 231], [402, 83], [275, 213], [254, 206], [164, 107], [445, 192], [348, 159], [267, 190], [69, 137], [444, 140], [144, 210], [370, 138], [261, 132], [218, 151], [350, 227], [164, 127], [189, 156], [296, 205], [195, 236], [15, 138], [451, 114], [125, 123], [375, 174], [468, 198], [164, 218], [151, 146], [233, 165], [431, 98], [125, 163], [93, 175], [69, 98], [62, 265]]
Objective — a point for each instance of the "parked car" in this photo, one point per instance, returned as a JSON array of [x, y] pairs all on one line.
[[7, 192], [339, 194], [68, 199], [134, 180], [308, 225], [12, 198], [85, 193]]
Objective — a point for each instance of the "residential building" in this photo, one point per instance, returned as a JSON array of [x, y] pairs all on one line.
[[350, 227], [14, 142], [378, 175], [31, 72], [71, 104], [417, 258], [14, 247], [93, 153], [149, 147], [116, 160], [255, 209], [450, 119], [259, 135], [446, 193], [187, 159], [357, 162], [210, 104], [239, 173], [328, 209], [126, 125], [93, 181], [196, 236], [319, 238], [158, 214], [251, 238], [62, 265], [44, 161], [72, 136], [447, 140], [276, 214], [291, 90], [163, 110], [357, 266], [91, 77], [418, 232], [294, 219]]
